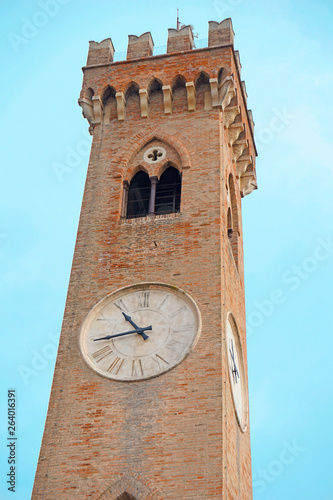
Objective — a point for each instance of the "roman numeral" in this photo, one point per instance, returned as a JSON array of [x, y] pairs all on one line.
[[174, 345], [137, 370], [174, 313], [143, 299], [121, 305], [183, 328], [160, 361], [163, 302], [102, 353], [116, 365]]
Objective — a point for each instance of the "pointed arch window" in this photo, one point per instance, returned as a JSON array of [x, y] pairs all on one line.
[[148, 196], [168, 192], [138, 196]]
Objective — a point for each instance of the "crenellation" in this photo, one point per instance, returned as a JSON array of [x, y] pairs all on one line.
[[220, 33], [180, 40], [100, 53], [140, 46]]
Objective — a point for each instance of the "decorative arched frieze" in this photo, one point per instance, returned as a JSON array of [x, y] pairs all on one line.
[[132, 100], [202, 90], [155, 96]]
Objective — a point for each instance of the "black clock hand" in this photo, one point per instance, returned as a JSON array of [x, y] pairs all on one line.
[[234, 371], [138, 330], [129, 319]]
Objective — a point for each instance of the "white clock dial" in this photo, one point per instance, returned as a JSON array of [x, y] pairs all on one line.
[[236, 371], [140, 331]]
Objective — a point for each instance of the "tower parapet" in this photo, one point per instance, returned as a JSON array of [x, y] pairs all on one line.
[[107, 89]]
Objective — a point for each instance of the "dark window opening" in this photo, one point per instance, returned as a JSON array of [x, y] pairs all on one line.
[[126, 496], [233, 228], [168, 192], [148, 196], [138, 196], [229, 223]]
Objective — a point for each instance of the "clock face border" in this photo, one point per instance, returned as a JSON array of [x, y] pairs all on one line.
[[243, 420], [97, 308]]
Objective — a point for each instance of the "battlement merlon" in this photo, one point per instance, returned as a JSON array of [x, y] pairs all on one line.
[[219, 63], [140, 46]]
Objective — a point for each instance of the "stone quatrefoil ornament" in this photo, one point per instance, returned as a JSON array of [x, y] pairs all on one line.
[[154, 155]]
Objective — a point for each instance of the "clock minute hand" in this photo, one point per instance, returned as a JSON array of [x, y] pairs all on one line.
[[140, 330]]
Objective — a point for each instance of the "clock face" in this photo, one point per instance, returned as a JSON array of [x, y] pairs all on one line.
[[140, 331], [236, 372]]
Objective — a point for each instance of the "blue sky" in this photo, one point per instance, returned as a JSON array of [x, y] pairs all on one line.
[[286, 51]]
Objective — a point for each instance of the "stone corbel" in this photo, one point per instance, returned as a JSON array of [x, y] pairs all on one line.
[[214, 92], [238, 148], [248, 183], [190, 96], [242, 164], [87, 109], [120, 105], [167, 98], [234, 131], [144, 102], [230, 114], [98, 109], [227, 91], [107, 112]]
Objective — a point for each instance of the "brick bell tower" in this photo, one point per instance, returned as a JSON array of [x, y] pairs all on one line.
[[149, 397]]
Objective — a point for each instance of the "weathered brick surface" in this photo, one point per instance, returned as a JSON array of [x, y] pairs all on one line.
[[174, 436]]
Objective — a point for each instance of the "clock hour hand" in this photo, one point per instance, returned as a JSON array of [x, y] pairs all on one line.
[[138, 330], [234, 371]]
